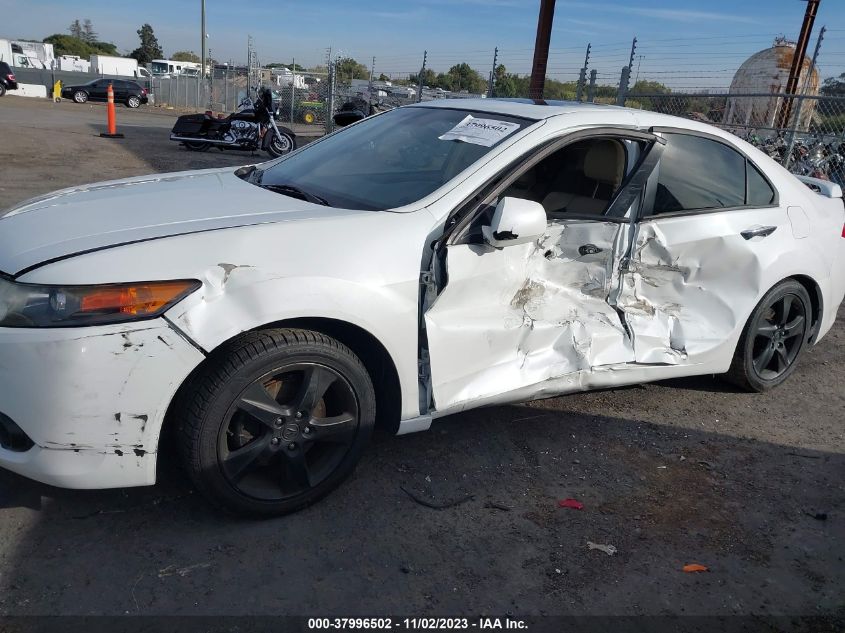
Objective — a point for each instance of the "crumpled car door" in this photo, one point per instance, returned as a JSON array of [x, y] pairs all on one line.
[[530, 320]]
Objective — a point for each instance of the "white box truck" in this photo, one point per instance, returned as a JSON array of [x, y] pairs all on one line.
[[23, 54], [121, 66]]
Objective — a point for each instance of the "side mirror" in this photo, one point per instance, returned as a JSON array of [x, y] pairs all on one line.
[[515, 221]]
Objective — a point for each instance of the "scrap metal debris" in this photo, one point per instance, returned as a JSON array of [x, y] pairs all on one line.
[[608, 549], [173, 570], [437, 505]]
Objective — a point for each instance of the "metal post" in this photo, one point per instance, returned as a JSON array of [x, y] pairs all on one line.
[[202, 39], [370, 84], [582, 76], [292, 89], [579, 86], [493, 73], [798, 60], [591, 91], [813, 61], [796, 121], [330, 101], [541, 49], [624, 80], [420, 77]]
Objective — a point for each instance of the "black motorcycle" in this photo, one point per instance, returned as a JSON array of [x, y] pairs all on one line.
[[250, 128]]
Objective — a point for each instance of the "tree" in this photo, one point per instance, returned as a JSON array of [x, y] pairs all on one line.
[[383, 77], [186, 56], [463, 77], [69, 45], [75, 29], [88, 33], [429, 78], [347, 68], [834, 86], [149, 48]]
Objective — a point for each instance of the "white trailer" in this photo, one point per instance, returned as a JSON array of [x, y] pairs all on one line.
[[22, 54], [121, 66]]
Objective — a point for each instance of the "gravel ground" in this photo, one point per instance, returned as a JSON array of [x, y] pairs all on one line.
[[671, 473]]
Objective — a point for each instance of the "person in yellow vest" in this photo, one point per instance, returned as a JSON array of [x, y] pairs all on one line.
[[57, 91]]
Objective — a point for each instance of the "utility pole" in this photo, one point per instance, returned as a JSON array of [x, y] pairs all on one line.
[[493, 73], [798, 61], [420, 77], [202, 39], [541, 49], [591, 89], [582, 75]]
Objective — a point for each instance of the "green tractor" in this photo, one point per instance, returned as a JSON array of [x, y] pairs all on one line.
[[311, 112]]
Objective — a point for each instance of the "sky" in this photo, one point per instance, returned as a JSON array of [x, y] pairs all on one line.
[[683, 43]]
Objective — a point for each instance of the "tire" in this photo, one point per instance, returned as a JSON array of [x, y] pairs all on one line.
[[280, 144], [2, 90], [270, 395], [80, 96], [196, 146], [309, 117], [133, 101], [773, 339]]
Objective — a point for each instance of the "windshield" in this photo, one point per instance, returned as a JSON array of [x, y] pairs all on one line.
[[393, 159]]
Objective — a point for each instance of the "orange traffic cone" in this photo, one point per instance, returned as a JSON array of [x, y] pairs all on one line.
[[110, 116]]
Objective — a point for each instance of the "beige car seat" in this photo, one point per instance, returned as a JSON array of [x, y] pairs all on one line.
[[604, 164]]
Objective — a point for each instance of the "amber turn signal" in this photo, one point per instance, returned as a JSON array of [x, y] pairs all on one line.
[[141, 299]]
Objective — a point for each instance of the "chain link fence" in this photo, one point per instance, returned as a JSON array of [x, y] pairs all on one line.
[[806, 134]]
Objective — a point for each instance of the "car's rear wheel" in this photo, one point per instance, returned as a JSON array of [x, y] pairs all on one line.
[[133, 101], [773, 339], [277, 419], [80, 96], [2, 90]]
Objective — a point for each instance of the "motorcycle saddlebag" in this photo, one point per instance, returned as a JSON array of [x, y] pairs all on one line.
[[189, 124]]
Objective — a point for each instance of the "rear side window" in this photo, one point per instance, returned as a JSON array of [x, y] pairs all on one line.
[[760, 192], [697, 173]]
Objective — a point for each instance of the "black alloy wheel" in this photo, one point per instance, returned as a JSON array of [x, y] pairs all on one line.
[[274, 420], [773, 339], [288, 431]]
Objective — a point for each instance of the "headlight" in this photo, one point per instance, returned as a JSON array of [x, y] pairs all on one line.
[[33, 305]]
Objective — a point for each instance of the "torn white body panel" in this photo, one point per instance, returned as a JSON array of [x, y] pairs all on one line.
[[100, 398], [526, 315], [693, 280]]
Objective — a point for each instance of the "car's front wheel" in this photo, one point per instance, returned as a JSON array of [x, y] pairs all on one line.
[[773, 338], [80, 96], [276, 419]]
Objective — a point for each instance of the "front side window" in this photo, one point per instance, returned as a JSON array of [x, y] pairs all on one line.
[[697, 173], [387, 161]]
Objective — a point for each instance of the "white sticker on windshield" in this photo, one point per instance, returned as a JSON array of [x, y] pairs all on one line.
[[486, 132]]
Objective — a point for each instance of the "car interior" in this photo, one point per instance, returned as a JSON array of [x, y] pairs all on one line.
[[580, 178]]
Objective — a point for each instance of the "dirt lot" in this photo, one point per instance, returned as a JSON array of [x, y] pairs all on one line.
[[685, 471]]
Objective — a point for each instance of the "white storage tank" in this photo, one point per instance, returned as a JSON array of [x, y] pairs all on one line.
[[767, 72]]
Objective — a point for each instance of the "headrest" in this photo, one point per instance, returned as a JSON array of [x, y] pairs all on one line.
[[605, 162]]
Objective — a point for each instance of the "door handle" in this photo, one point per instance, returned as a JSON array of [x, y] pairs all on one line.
[[589, 249], [761, 231]]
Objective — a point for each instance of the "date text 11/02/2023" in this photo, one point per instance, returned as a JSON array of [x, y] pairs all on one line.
[[424, 623]]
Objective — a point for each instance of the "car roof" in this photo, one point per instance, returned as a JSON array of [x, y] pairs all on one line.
[[538, 109], [527, 108]]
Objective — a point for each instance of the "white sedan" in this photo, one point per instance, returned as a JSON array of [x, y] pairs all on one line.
[[421, 262]]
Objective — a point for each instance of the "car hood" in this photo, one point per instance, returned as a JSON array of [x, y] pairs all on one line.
[[83, 219]]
